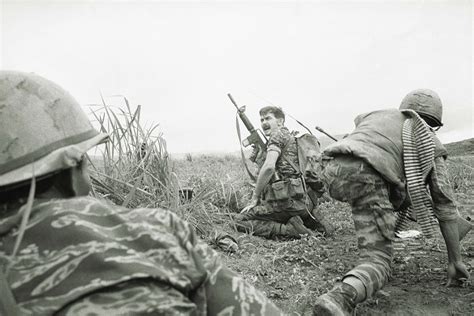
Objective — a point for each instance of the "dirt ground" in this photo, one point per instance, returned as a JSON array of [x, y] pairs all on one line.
[[294, 272]]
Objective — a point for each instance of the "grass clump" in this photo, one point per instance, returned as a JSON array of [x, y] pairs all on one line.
[[461, 173], [133, 168]]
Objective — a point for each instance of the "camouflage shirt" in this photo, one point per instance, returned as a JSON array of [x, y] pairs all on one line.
[[377, 139], [284, 142], [82, 256]]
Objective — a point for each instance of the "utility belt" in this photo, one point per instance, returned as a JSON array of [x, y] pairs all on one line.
[[285, 189]]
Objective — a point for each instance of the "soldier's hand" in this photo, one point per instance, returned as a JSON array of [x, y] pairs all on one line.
[[254, 153], [251, 205], [457, 271]]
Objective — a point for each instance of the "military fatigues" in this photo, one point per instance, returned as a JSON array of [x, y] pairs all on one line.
[[366, 170], [269, 219], [81, 256]]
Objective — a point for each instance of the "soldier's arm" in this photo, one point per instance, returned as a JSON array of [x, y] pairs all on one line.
[[264, 176], [230, 294], [137, 297], [224, 291], [446, 211], [266, 173]]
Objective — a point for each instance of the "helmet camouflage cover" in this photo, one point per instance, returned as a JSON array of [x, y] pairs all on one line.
[[426, 103], [39, 124]]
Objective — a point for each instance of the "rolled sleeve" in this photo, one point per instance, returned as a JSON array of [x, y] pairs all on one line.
[[277, 141], [274, 147]]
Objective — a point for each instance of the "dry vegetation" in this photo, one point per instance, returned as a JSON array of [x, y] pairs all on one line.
[[291, 272]]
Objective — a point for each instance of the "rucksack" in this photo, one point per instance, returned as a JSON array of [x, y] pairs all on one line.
[[308, 168], [309, 154]]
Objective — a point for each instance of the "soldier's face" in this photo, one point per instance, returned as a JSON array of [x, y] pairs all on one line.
[[270, 123], [80, 179]]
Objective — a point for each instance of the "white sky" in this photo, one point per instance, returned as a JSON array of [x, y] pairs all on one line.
[[323, 62]]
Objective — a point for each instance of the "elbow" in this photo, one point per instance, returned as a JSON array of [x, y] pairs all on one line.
[[268, 170]]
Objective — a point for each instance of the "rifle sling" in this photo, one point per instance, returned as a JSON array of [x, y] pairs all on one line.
[[251, 175]]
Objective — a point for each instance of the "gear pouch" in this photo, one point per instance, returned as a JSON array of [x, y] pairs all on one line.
[[296, 188], [281, 190]]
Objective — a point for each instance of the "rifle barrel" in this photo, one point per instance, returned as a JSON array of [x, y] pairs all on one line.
[[232, 100], [319, 129], [243, 117]]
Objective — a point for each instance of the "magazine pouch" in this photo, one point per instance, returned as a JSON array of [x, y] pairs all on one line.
[[296, 188], [280, 190]]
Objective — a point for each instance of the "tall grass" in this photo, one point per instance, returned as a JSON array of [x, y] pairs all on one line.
[[134, 165], [221, 189], [134, 169]]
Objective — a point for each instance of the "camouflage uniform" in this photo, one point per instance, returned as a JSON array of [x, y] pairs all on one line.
[[81, 256], [366, 170], [269, 219]]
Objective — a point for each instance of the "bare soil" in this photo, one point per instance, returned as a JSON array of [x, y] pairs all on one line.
[[293, 273]]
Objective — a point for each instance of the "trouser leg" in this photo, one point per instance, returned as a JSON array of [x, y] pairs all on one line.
[[271, 229], [374, 223], [269, 221], [350, 179], [263, 228]]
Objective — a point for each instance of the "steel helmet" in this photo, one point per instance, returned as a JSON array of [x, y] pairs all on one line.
[[426, 103], [42, 128]]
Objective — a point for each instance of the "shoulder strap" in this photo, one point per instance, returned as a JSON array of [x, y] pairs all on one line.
[[297, 169]]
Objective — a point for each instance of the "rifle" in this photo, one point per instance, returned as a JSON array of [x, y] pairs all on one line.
[[319, 129], [255, 138]]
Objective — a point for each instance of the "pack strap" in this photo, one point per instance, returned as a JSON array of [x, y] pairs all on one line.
[[283, 152], [8, 305]]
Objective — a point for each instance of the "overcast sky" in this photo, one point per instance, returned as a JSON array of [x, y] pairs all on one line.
[[323, 62]]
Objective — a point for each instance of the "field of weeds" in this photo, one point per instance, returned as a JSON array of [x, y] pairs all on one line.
[[135, 169]]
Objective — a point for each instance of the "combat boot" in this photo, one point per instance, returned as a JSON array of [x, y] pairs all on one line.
[[340, 301], [322, 225], [298, 226]]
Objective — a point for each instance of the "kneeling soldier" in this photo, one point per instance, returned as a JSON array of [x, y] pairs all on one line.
[[280, 206]]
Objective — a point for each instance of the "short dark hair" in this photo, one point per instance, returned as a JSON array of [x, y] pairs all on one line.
[[276, 111]]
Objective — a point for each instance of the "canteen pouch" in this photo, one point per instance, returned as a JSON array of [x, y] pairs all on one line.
[[280, 190], [296, 188], [284, 189]]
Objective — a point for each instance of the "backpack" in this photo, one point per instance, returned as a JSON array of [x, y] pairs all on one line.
[[309, 154], [308, 168]]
